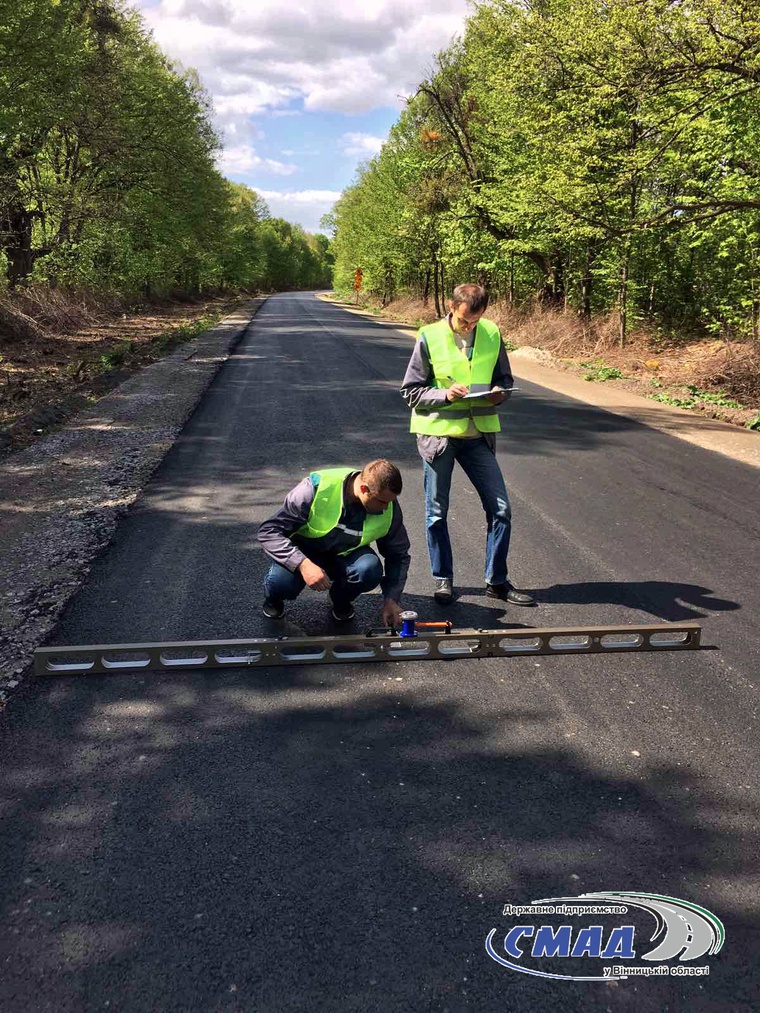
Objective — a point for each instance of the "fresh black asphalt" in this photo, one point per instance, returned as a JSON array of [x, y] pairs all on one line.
[[344, 838]]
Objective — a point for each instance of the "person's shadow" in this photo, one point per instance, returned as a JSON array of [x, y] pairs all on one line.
[[466, 615], [309, 615], [669, 601]]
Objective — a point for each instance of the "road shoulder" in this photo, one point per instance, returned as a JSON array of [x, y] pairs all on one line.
[[63, 496]]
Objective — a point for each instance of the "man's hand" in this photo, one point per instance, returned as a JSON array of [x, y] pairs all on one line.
[[456, 390], [496, 396], [314, 576], [391, 613]]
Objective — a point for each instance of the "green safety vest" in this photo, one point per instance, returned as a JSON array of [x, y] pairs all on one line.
[[327, 506], [449, 363]]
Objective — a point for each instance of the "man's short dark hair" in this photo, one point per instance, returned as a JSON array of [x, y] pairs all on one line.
[[474, 297], [381, 474]]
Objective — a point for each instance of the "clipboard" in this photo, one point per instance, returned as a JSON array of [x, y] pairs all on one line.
[[485, 393]]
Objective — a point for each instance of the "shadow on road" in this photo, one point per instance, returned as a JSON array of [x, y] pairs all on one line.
[[299, 839], [311, 613], [671, 602]]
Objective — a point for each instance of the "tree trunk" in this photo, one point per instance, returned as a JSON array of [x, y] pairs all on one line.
[[16, 229], [389, 286], [443, 287], [587, 281], [558, 279], [623, 297], [426, 288], [624, 267], [512, 278], [436, 291], [552, 292]]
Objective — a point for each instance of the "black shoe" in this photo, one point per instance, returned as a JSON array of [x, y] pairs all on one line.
[[343, 613], [444, 590], [506, 592], [273, 608]]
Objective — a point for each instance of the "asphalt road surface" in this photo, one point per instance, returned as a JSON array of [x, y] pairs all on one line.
[[345, 837]]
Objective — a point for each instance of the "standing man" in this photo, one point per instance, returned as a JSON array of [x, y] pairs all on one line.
[[321, 535], [461, 355]]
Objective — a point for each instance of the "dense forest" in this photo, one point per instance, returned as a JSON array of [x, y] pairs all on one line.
[[107, 167], [595, 155]]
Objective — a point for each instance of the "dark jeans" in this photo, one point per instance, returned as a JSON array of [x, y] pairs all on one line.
[[351, 575], [481, 467]]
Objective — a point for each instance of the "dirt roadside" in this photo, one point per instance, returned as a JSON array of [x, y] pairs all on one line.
[[61, 497], [540, 367], [83, 352]]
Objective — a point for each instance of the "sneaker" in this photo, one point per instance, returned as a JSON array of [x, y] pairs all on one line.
[[273, 608], [506, 592], [343, 613], [444, 590]]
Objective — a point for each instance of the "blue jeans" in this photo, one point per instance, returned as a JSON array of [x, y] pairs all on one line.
[[351, 575], [482, 469]]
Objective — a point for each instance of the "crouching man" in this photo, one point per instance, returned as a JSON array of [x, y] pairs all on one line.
[[321, 537]]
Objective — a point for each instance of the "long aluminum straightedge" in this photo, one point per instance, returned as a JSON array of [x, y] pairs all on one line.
[[330, 650]]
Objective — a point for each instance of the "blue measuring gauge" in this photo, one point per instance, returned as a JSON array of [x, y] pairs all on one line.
[[408, 620]]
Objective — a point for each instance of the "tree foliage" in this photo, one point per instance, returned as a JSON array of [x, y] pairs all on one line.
[[598, 154], [107, 174]]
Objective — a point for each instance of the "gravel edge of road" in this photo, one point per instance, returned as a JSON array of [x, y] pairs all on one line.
[[62, 498]]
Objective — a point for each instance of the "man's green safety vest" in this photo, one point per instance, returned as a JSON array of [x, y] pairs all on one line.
[[327, 505], [449, 363]]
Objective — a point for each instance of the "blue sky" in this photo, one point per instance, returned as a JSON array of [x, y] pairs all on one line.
[[303, 91]]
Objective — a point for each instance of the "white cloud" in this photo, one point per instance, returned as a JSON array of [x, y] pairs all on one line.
[[301, 196], [305, 207], [361, 144], [276, 59], [242, 158], [350, 57]]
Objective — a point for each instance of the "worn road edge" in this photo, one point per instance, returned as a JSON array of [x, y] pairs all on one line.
[[61, 498]]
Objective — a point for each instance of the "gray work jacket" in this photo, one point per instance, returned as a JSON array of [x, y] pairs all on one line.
[[277, 536]]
